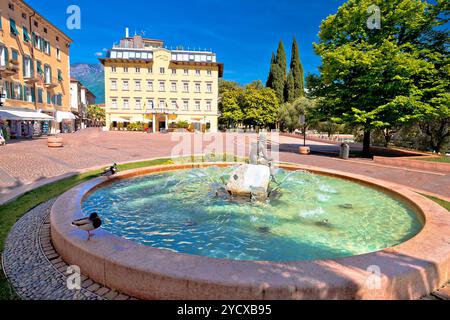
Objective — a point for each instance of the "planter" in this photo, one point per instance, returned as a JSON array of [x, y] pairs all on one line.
[[55, 142], [304, 150]]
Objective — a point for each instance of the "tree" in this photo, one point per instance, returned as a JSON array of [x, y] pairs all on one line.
[[373, 77], [297, 72], [277, 74], [230, 108], [225, 86], [290, 114], [96, 114], [260, 107], [289, 89]]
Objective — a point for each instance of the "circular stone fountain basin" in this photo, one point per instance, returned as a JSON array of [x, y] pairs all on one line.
[[168, 236]]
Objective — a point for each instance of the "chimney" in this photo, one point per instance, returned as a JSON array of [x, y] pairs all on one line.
[[127, 33]]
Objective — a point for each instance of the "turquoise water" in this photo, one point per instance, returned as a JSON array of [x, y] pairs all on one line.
[[310, 217]]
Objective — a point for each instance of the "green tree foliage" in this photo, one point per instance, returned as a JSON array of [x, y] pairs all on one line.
[[260, 107], [230, 108], [297, 72], [96, 114], [289, 89], [277, 74], [375, 78], [225, 86], [290, 113]]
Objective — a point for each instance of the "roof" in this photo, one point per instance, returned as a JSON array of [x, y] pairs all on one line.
[[47, 21]]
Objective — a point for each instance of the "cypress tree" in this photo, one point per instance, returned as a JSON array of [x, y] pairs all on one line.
[[297, 72], [289, 90], [281, 59], [277, 75]]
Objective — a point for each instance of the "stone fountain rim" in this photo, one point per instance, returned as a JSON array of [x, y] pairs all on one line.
[[421, 262]]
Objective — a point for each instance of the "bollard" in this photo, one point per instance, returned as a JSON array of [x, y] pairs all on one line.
[[344, 151]]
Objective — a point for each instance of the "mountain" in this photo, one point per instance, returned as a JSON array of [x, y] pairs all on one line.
[[92, 76]]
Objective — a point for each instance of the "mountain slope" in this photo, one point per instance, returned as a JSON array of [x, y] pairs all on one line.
[[92, 76]]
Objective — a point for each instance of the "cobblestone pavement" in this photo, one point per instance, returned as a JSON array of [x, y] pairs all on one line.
[[29, 161], [35, 269]]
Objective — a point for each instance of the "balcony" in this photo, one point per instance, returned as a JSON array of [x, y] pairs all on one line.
[[51, 83], [31, 79], [10, 69], [161, 110]]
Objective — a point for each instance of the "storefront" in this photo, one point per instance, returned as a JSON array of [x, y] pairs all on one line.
[[25, 124]]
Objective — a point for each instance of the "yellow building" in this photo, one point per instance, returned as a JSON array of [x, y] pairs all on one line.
[[34, 72], [146, 83]]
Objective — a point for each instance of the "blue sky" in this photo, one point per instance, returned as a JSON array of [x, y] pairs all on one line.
[[243, 33]]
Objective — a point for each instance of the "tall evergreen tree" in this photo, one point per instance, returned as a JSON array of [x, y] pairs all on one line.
[[297, 72], [277, 74], [289, 89], [281, 59]]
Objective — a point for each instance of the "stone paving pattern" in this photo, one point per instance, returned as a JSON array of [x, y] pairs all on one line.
[[29, 161], [35, 269]]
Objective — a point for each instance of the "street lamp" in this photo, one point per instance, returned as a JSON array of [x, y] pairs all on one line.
[[303, 123]]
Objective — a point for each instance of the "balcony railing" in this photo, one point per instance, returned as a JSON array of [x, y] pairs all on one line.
[[9, 69]]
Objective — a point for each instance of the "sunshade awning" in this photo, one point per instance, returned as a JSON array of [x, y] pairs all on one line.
[[64, 115], [23, 115], [117, 119]]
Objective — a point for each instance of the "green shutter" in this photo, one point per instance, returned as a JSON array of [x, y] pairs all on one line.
[[23, 65], [26, 36], [33, 94], [13, 27]]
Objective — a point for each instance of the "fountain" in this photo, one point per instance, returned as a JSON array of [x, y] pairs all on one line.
[[253, 179]]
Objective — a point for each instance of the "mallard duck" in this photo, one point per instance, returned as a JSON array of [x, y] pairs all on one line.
[[111, 171], [88, 224]]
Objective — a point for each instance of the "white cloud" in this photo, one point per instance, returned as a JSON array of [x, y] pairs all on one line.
[[99, 54]]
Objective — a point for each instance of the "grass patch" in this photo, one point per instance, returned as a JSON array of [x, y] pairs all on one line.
[[435, 159], [440, 202], [11, 212]]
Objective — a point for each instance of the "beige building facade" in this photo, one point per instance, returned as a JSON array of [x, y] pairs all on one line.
[[148, 84], [34, 72]]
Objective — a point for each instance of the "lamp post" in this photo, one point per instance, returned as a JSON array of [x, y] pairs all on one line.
[[303, 123]]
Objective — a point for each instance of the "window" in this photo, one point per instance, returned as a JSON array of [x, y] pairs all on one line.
[[40, 98], [15, 55], [29, 96], [126, 104], [208, 105], [49, 97], [186, 72], [197, 87], [36, 24], [114, 103], [113, 69], [149, 85], [197, 72], [174, 71], [185, 105], [138, 70], [137, 85], [60, 77], [137, 104], [174, 87], [162, 104], [58, 54], [11, 6], [47, 47], [162, 70], [28, 70], [149, 70], [113, 84], [150, 104], [197, 105], [125, 85], [174, 104], [17, 93], [162, 86], [48, 74], [125, 70], [45, 30], [26, 36], [209, 87], [13, 28], [208, 72], [3, 56], [39, 67], [37, 42], [185, 87], [57, 39]]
